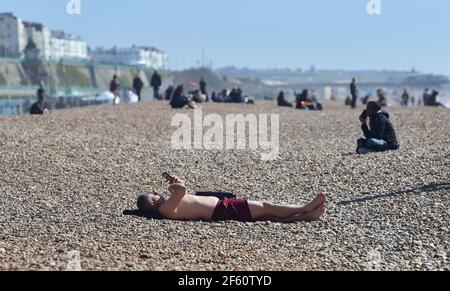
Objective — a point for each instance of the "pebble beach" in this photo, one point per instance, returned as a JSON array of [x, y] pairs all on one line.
[[67, 177]]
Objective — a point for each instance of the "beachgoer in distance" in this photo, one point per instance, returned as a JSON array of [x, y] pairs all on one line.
[[156, 82], [114, 88], [380, 134], [282, 102], [137, 86], [178, 100], [38, 108], [354, 92]]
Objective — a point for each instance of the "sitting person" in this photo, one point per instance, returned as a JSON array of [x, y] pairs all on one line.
[[178, 100], [38, 108], [381, 136], [282, 102], [317, 105], [303, 101], [215, 97], [168, 93], [184, 207], [235, 96], [432, 100], [197, 96]]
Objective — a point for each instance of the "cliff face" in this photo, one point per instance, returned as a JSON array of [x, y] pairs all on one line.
[[12, 73], [57, 76]]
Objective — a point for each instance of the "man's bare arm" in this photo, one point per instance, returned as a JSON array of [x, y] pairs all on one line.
[[178, 190]]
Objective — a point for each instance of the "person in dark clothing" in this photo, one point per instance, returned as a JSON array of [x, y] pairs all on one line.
[[432, 100], [405, 98], [114, 88], [156, 82], [203, 85], [366, 99], [178, 100], [214, 97], [382, 100], [426, 97], [137, 86], [235, 96], [38, 108], [381, 135], [168, 93], [354, 92], [282, 102], [302, 99]]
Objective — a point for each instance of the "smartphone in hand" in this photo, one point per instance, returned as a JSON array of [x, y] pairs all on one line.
[[168, 177]]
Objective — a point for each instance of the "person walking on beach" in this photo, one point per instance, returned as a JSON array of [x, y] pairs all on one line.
[[382, 100], [38, 108], [137, 86], [114, 88], [182, 206], [405, 98], [381, 135], [156, 82], [354, 92], [203, 85]]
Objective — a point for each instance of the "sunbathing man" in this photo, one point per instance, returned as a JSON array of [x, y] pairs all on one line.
[[182, 206]]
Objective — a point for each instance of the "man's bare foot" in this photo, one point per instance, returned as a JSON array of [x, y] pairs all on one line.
[[313, 215], [320, 200]]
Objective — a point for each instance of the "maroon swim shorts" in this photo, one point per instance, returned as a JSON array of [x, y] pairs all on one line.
[[232, 209]]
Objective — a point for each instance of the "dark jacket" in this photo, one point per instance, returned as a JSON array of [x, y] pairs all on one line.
[[113, 86], [156, 81], [381, 128], [353, 89], [37, 109], [138, 84], [203, 87]]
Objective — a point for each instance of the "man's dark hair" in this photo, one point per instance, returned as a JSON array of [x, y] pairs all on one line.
[[374, 105], [40, 93], [144, 210]]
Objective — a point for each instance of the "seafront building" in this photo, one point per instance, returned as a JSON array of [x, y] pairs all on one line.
[[53, 45], [145, 57]]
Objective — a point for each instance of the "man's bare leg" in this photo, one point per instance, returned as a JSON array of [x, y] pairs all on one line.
[[308, 217], [269, 211]]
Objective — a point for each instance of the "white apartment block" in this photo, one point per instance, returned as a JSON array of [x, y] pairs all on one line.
[[52, 45], [147, 57], [13, 37], [41, 37], [67, 46]]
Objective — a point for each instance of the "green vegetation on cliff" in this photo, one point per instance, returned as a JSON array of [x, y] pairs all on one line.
[[2, 80], [72, 76]]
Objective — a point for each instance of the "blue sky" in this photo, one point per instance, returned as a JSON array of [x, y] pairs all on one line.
[[262, 33]]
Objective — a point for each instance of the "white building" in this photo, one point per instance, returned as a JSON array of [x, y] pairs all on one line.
[[52, 45], [148, 57], [13, 37], [41, 37], [67, 46]]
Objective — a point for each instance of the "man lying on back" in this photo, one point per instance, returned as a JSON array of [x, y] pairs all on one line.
[[185, 207]]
